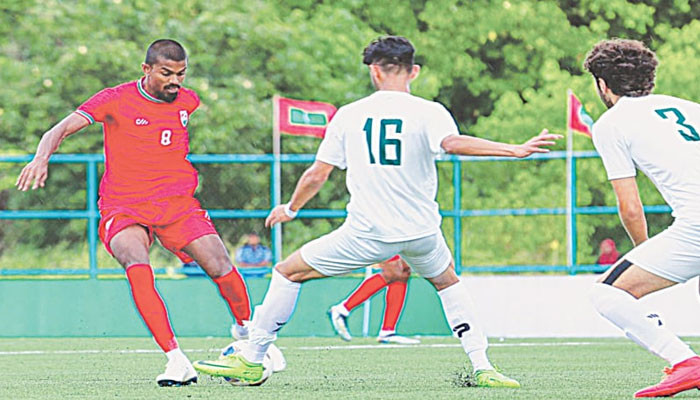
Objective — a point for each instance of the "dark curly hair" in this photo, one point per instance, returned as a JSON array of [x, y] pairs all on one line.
[[628, 67], [390, 52]]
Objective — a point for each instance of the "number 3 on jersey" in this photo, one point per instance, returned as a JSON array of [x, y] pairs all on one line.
[[166, 137], [384, 143], [691, 135]]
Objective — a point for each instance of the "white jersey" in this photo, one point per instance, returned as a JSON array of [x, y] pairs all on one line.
[[388, 142], [660, 135]]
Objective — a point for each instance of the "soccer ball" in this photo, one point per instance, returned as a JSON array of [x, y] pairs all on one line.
[[276, 357], [267, 366]]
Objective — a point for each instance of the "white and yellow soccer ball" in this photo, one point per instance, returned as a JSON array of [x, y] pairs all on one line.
[[277, 358]]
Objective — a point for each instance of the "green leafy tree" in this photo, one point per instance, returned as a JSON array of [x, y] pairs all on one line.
[[501, 67]]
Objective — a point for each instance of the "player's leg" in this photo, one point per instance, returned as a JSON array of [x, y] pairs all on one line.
[[279, 303], [460, 309], [369, 287], [397, 272], [190, 232], [211, 254], [616, 295], [336, 253], [277, 307], [671, 257], [431, 258], [130, 247]]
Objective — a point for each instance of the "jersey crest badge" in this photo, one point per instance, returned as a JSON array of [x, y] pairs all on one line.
[[183, 118]]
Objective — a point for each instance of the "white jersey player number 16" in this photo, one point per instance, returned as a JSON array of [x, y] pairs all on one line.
[[389, 149]]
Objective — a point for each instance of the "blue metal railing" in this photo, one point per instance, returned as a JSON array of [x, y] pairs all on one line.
[[91, 214]]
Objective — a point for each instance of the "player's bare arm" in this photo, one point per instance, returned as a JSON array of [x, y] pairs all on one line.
[[309, 184], [631, 209], [35, 173], [474, 146]]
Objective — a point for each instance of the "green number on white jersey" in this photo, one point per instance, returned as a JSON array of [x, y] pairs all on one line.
[[384, 143], [691, 135]]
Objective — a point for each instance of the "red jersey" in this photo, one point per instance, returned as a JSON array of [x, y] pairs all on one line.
[[145, 143]]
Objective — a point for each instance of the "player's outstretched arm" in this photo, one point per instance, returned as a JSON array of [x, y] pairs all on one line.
[[309, 184], [473, 146], [35, 173]]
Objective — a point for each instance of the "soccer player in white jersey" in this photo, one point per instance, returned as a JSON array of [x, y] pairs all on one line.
[[388, 142], [658, 135]]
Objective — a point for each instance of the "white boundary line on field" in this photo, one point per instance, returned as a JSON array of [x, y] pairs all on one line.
[[312, 348], [317, 348], [43, 352], [447, 345]]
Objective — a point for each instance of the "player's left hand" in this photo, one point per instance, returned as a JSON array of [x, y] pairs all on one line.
[[276, 215], [536, 144], [33, 175]]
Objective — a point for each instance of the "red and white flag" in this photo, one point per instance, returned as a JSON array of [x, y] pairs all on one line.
[[301, 117], [578, 119]]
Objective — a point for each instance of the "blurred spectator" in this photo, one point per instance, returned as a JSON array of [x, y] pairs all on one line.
[[252, 253], [192, 269], [608, 252]]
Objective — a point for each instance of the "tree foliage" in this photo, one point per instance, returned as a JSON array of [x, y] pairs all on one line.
[[501, 67]]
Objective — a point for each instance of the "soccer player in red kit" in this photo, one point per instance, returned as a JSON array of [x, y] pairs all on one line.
[[394, 276], [147, 190]]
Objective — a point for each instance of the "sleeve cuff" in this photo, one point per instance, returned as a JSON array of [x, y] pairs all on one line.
[[621, 175], [331, 162], [85, 115]]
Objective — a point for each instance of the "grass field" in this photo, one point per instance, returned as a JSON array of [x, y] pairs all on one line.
[[318, 368]]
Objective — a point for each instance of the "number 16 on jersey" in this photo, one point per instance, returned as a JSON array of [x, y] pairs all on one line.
[[389, 149]]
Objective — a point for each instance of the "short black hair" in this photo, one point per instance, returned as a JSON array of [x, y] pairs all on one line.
[[166, 49], [628, 67], [390, 52]]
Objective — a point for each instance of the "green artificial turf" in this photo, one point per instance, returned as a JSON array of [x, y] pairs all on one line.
[[319, 368]]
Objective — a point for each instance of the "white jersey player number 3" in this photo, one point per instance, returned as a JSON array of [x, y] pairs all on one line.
[[692, 135]]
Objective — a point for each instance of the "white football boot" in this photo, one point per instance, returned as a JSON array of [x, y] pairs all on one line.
[[339, 322], [178, 372], [394, 338]]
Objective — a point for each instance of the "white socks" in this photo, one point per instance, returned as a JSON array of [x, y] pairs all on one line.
[[625, 312], [340, 308], [270, 316], [176, 355], [458, 307]]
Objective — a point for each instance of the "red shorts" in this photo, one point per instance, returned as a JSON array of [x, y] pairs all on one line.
[[176, 221]]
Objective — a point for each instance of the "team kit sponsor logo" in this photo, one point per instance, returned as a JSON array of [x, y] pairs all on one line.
[[141, 122]]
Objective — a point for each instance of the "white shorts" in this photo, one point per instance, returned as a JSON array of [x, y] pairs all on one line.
[[341, 251], [673, 254]]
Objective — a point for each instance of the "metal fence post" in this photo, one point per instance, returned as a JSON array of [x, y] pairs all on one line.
[[93, 214], [574, 213], [456, 207], [275, 199]]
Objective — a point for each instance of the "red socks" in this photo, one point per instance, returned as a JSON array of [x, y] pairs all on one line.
[[395, 297], [150, 305], [233, 290], [152, 309], [367, 289]]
